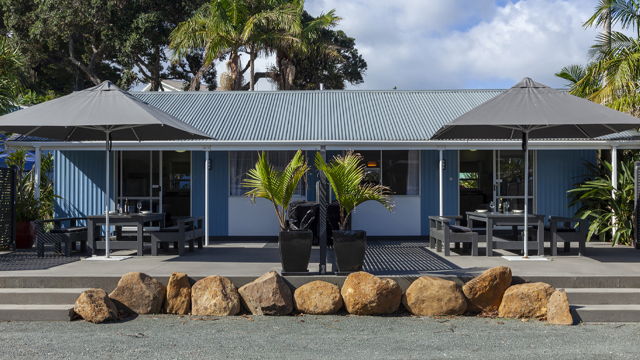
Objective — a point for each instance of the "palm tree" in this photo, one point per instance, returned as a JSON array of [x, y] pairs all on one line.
[[307, 41], [612, 78], [276, 186], [345, 175], [227, 27]]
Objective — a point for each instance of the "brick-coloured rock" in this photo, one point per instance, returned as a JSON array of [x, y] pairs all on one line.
[[526, 301], [94, 306], [267, 295], [559, 312], [215, 295], [178, 300], [139, 293], [317, 298], [365, 294], [485, 292], [431, 296]]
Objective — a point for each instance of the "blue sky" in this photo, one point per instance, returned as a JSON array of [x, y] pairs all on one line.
[[460, 44]]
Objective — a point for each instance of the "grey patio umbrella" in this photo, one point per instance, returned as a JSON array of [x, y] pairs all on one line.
[[530, 110], [103, 112]]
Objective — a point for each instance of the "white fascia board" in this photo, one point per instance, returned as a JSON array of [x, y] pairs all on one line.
[[214, 145]]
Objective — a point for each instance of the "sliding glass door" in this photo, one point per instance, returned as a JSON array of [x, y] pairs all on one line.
[[494, 175], [159, 180]]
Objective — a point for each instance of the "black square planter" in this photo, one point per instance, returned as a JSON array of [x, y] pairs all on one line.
[[349, 248], [295, 250]]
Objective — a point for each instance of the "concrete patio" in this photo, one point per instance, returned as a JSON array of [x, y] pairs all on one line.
[[603, 266]]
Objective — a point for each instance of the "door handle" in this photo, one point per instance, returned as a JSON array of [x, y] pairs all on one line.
[[157, 187]]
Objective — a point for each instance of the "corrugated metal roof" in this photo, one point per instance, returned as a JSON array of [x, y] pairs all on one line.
[[318, 115]]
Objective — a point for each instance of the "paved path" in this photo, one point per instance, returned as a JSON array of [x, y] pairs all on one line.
[[321, 337]]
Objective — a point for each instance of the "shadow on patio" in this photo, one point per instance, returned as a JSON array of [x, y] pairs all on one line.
[[28, 260]]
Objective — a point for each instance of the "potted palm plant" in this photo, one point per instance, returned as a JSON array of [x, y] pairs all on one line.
[[278, 187], [346, 175]]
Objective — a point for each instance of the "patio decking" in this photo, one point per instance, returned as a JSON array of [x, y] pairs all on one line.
[[604, 266]]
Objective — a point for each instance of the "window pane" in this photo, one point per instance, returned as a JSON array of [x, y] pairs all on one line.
[[135, 173], [400, 171], [280, 160], [240, 162], [371, 160]]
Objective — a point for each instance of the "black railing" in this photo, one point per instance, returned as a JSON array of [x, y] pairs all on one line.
[[7, 208]]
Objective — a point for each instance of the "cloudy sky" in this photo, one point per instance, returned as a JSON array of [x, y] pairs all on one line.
[[456, 44]]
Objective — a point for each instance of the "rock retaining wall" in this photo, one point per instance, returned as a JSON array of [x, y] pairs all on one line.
[[489, 294]]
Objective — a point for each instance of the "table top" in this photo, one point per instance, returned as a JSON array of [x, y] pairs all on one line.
[[499, 215], [132, 216]]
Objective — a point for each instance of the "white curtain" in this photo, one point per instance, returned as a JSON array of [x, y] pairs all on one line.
[[413, 173], [242, 161], [239, 164]]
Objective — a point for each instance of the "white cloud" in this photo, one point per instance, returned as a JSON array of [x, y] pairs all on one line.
[[418, 44]]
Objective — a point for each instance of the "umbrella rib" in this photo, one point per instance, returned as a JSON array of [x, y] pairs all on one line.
[[30, 132], [610, 128], [583, 132], [71, 133], [135, 134]]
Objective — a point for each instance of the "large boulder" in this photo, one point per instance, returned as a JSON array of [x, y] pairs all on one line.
[[267, 295], [139, 293], [95, 306], [215, 295], [433, 296], [365, 294], [559, 312], [526, 301], [178, 299], [317, 298], [484, 293]]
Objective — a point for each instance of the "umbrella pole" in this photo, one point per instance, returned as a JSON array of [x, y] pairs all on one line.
[[525, 144], [106, 229]]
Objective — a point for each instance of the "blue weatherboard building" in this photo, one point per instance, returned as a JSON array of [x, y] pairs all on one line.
[[391, 129]]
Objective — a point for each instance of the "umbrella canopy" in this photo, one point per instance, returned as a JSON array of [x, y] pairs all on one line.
[[86, 115], [532, 110], [103, 112], [540, 111]]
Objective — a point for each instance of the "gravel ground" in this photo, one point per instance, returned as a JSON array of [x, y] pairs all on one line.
[[313, 337]]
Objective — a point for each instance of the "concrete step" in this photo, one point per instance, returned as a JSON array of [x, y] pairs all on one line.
[[13, 312], [605, 313], [45, 296], [603, 296]]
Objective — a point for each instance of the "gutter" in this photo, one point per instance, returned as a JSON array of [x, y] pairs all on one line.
[[214, 145]]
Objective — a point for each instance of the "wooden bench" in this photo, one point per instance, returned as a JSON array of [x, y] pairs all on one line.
[[441, 233], [58, 235], [188, 230], [563, 229]]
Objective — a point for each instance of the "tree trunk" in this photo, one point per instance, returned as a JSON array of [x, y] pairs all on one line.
[[252, 57], [234, 69]]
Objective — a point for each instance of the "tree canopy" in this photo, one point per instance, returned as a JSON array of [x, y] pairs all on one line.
[[68, 45]]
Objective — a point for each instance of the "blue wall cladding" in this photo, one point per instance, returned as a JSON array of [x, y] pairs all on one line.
[[79, 181], [429, 186], [218, 190], [558, 170]]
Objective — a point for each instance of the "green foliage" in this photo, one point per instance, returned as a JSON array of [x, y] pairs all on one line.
[[594, 195], [331, 59], [223, 28], [612, 77], [27, 207], [346, 175], [11, 81], [70, 45], [276, 186]]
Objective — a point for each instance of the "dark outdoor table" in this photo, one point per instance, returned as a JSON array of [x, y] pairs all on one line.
[[492, 219], [119, 220]]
